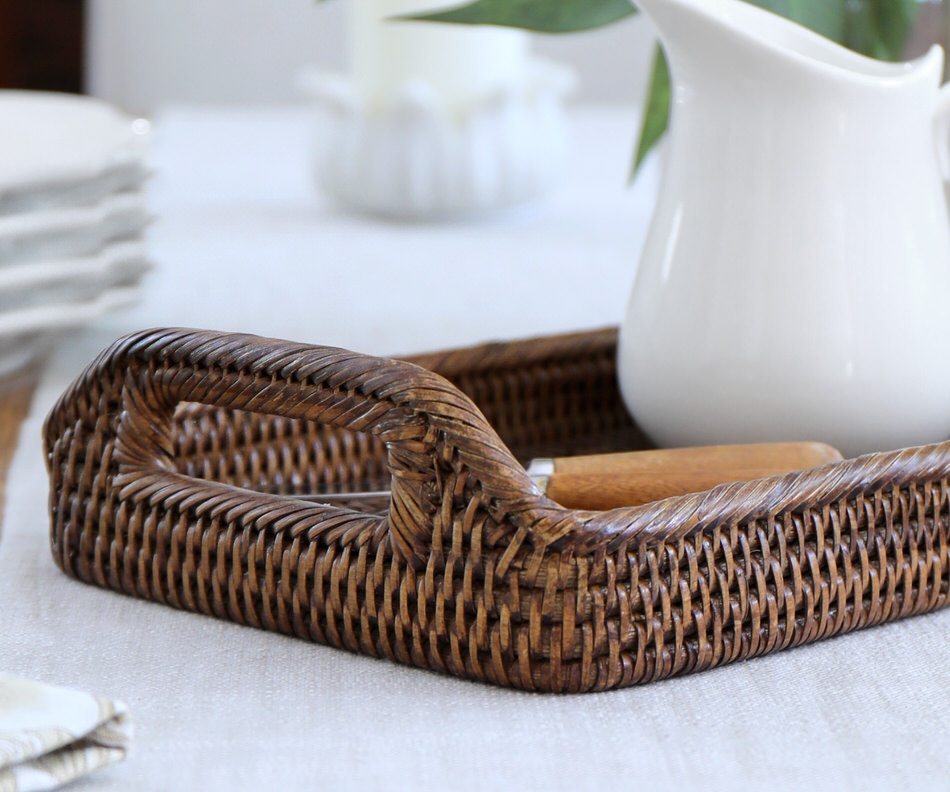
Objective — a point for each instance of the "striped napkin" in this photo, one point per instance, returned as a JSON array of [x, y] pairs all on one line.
[[50, 735]]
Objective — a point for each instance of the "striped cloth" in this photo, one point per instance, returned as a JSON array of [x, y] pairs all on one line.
[[51, 735]]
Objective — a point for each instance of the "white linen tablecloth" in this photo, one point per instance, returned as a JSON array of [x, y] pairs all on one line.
[[242, 244]]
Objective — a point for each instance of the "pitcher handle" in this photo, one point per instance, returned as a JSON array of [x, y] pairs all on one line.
[[942, 130]]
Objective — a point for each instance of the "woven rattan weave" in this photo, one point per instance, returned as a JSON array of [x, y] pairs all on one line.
[[171, 457]]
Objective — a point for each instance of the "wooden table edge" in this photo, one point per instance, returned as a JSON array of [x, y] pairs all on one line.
[[16, 395]]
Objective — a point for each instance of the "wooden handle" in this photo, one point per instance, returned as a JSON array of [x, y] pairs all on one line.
[[609, 481]]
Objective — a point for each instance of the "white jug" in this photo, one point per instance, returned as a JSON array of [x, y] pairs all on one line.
[[795, 283]]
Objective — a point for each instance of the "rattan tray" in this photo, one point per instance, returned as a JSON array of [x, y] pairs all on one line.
[[170, 459]]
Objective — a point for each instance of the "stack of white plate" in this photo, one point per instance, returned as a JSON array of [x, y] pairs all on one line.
[[72, 216]]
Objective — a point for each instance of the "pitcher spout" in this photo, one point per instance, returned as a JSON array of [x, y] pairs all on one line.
[[735, 35]]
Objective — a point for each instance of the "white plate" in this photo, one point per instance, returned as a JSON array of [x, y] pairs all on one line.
[[71, 233], [61, 316], [62, 195], [54, 143], [72, 280], [27, 334]]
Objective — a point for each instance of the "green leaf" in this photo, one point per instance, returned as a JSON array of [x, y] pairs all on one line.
[[823, 16], [541, 16], [879, 28], [876, 28], [657, 112]]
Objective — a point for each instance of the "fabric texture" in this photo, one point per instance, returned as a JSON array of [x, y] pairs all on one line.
[[241, 244], [50, 735]]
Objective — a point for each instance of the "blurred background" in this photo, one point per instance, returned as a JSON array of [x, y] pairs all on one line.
[[143, 54]]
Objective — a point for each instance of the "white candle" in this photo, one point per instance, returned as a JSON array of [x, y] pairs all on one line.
[[461, 64]]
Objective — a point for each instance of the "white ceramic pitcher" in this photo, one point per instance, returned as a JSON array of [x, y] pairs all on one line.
[[795, 284]]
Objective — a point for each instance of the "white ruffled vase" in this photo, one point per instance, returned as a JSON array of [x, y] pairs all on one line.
[[415, 157]]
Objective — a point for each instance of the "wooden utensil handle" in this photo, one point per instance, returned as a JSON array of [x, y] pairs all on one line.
[[608, 481]]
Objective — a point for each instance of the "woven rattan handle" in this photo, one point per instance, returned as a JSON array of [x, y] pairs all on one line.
[[428, 425]]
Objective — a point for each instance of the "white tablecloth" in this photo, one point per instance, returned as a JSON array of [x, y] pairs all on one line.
[[242, 244]]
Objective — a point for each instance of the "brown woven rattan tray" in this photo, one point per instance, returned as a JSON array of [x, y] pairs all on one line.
[[171, 457]]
